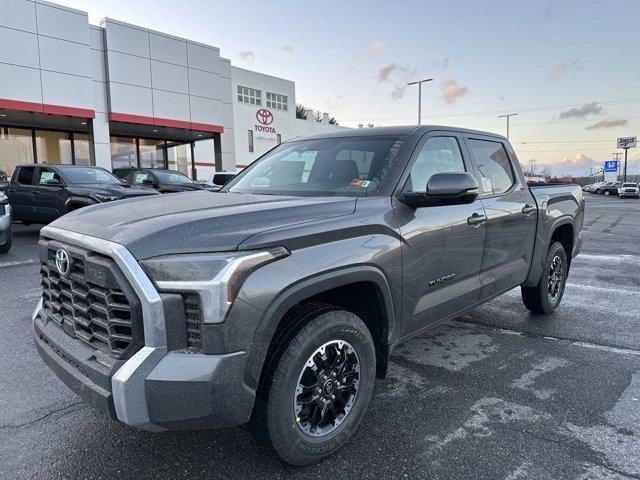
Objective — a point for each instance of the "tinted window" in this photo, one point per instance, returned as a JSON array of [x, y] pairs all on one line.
[[496, 174], [25, 175], [90, 176], [121, 174], [167, 176], [437, 155]]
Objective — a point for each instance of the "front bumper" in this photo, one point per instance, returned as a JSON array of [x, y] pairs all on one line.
[[628, 194], [155, 389]]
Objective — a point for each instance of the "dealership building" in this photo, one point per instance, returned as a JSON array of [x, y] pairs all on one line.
[[118, 95]]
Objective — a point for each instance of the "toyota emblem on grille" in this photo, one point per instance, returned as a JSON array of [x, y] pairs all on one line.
[[62, 262]]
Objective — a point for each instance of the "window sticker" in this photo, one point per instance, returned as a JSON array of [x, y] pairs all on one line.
[[357, 182], [45, 177], [486, 185]]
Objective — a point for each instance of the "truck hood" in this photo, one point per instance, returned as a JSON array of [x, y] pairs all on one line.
[[197, 221], [120, 191]]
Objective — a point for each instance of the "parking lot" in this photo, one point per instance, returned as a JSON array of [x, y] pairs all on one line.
[[498, 393]]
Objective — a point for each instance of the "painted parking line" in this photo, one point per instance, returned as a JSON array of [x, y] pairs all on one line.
[[608, 258], [16, 263]]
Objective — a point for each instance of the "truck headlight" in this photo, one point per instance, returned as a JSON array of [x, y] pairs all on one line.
[[216, 277], [105, 198]]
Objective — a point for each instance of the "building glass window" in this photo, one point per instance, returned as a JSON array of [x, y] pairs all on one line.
[[152, 153], [53, 148], [16, 148], [82, 149], [123, 152], [249, 95], [179, 158], [277, 101], [250, 141]]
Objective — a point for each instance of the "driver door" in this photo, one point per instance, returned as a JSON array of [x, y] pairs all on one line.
[[443, 245]]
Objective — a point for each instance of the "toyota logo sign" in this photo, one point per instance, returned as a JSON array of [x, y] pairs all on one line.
[[62, 262], [264, 116]]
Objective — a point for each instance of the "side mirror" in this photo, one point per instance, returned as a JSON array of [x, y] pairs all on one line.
[[444, 189], [53, 182]]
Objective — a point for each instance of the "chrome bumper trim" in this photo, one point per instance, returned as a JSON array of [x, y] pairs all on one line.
[[128, 382]]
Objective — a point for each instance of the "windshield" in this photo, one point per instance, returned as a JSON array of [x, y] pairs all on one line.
[[331, 166], [630, 185], [168, 176], [90, 176]]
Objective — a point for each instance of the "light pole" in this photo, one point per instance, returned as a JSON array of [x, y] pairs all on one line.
[[507, 117], [420, 82]]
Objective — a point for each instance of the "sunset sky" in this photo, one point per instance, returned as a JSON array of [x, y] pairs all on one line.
[[570, 69]]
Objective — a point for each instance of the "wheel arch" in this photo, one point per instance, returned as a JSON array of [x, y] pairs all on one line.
[[330, 288]]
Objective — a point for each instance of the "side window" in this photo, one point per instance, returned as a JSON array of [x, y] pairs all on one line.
[[492, 162], [438, 155], [25, 175], [121, 174], [44, 175]]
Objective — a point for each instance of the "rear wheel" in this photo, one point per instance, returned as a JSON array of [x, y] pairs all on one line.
[[545, 297], [607, 193], [5, 247], [317, 386]]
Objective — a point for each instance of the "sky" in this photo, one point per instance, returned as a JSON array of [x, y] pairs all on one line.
[[570, 69]]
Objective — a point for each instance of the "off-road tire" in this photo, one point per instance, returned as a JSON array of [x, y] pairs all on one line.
[[538, 299], [273, 420]]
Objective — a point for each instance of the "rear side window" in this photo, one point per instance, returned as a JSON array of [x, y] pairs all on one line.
[[25, 176], [492, 162], [437, 155]]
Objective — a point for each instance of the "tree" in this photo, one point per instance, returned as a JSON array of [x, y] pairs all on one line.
[[333, 121], [301, 112], [545, 172], [317, 116]]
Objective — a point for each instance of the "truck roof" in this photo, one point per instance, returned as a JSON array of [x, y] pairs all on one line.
[[395, 130]]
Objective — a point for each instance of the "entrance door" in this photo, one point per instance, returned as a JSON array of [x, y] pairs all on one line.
[[442, 251]]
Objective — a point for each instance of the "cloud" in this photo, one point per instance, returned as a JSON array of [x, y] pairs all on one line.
[[577, 166], [585, 110], [442, 63], [386, 71], [550, 11], [398, 91], [608, 123], [287, 48], [452, 91], [501, 97], [558, 70], [247, 55], [377, 47]]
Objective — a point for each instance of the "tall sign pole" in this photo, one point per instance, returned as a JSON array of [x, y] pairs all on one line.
[[626, 143], [507, 116]]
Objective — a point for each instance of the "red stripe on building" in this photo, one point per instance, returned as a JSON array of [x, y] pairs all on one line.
[[46, 108], [165, 122]]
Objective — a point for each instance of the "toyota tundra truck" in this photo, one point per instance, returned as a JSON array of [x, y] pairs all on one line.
[[278, 301]]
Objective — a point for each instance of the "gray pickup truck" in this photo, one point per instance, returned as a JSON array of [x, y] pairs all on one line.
[[277, 301]]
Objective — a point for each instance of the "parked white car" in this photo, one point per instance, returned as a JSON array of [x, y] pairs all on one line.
[[6, 237], [628, 189]]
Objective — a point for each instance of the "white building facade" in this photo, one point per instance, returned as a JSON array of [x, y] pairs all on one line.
[[119, 95]]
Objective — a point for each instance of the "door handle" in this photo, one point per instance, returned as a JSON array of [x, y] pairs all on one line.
[[528, 209], [476, 220]]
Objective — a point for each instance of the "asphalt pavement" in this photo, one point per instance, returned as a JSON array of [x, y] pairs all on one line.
[[497, 394]]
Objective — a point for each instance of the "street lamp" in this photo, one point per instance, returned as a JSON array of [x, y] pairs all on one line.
[[420, 82], [507, 116]]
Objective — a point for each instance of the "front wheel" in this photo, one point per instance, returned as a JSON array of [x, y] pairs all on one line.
[[545, 297], [317, 387]]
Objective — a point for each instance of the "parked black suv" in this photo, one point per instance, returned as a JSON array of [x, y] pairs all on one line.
[[42, 193], [164, 181]]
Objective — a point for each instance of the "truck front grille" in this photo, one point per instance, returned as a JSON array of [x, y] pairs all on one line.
[[92, 302]]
